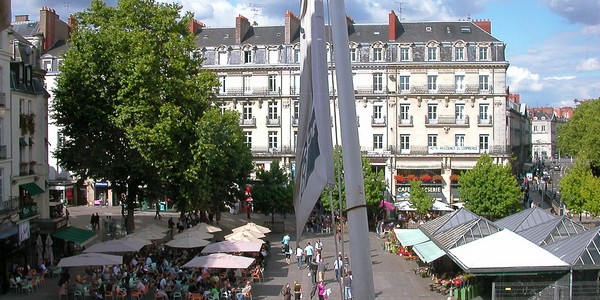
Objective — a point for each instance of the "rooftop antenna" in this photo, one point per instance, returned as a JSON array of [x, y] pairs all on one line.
[[400, 9], [255, 8]]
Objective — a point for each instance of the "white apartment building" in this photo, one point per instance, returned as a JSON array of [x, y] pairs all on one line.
[[543, 136], [430, 96]]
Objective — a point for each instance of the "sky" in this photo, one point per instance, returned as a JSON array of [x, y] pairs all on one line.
[[553, 46]]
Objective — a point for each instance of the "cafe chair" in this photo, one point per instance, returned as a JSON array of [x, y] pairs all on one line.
[[26, 286], [14, 285], [78, 295]]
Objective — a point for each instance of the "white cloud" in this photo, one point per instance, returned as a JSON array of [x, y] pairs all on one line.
[[589, 65], [558, 78], [521, 79], [591, 30]]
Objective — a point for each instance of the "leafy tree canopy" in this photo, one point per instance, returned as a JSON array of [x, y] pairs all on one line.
[[580, 189], [273, 191], [580, 136], [419, 198], [490, 189]]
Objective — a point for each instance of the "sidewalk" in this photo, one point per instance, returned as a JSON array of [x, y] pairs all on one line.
[[393, 276]]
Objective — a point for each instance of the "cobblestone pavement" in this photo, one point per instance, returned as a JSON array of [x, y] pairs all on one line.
[[393, 276]]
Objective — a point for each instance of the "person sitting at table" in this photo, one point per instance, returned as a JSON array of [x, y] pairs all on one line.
[[246, 290]]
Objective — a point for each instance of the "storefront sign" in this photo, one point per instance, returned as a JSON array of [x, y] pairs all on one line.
[[428, 189], [454, 149], [28, 210], [24, 231], [101, 184]]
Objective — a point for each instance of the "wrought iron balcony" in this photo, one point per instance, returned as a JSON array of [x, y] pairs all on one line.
[[484, 122], [273, 121], [378, 122], [9, 206], [251, 122], [445, 120], [405, 122], [295, 121]]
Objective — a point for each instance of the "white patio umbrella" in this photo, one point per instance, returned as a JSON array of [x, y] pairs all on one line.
[[220, 261], [441, 206], [39, 247], [147, 234], [194, 233], [90, 259], [404, 206], [115, 246], [187, 242], [156, 228], [252, 227], [135, 239], [232, 247], [206, 228], [245, 236], [49, 253]]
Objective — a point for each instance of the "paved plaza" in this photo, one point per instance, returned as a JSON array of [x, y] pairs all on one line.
[[393, 276]]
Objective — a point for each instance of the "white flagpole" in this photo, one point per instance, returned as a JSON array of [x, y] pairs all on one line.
[[358, 228]]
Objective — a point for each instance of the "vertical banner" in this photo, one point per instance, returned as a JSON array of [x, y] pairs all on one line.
[[314, 153]]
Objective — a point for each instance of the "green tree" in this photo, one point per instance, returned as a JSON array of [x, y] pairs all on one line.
[[580, 189], [273, 191], [490, 189], [580, 136], [374, 184], [419, 198]]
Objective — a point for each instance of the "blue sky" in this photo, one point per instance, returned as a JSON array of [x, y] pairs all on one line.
[[553, 46]]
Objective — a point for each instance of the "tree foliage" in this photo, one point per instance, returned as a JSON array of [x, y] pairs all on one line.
[[374, 184], [580, 189], [132, 100], [580, 136], [273, 191], [490, 189], [419, 198]]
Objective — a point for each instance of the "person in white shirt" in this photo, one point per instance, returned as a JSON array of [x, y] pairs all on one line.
[[148, 260], [299, 253]]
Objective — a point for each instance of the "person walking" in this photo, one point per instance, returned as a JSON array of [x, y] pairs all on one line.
[[314, 268], [286, 291], [93, 221], [299, 253], [297, 290], [348, 285], [321, 268], [321, 290], [157, 215], [338, 266], [308, 251]]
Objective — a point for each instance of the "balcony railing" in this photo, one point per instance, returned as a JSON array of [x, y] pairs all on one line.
[[378, 122], [295, 121], [444, 89], [444, 120], [237, 92], [484, 122], [265, 150], [500, 149], [9, 207], [294, 90], [274, 121], [248, 122], [405, 122], [23, 169], [367, 90]]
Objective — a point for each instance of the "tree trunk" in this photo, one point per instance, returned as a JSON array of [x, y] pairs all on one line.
[[132, 193]]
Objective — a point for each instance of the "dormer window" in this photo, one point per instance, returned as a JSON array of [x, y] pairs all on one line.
[[273, 55], [47, 65], [405, 54], [433, 51], [378, 52], [483, 52], [459, 50], [247, 54], [354, 52]]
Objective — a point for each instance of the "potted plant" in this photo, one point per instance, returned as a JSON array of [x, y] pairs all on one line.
[[437, 178], [400, 178], [426, 178], [454, 178], [411, 177]]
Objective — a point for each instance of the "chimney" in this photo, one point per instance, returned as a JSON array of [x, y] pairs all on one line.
[[393, 26], [484, 24], [48, 19], [21, 18], [242, 27], [292, 27], [195, 25], [72, 22]]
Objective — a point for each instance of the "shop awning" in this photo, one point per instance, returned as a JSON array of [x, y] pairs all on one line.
[[76, 235], [410, 237], [32, 188], [428, 251]]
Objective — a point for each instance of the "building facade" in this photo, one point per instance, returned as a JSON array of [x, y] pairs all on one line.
[[430, 96]]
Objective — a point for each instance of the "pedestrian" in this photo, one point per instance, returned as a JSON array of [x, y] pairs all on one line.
[[67, 214], [321, 268], [286, 291], [93, 222], [248, 210], [297, 290], [308, 250], [338, 266], [285, 243], [348, 285], [288, 255], [171, 225], [321, 290], [318, 246], [157, 215], [299, 254]]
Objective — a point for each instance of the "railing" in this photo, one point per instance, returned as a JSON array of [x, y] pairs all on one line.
[[9, 206], [447, 120], [381, 121], [248, 122], [405, 122], [23, 169], [2, 99], [443, 89], [273, 121], [295, 121], [367, 90], [294, 90], [500, 149], [238, 92], [266, 150], [483, 122]]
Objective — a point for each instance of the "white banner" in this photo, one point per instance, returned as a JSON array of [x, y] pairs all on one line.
[[314, 154], [454, 149]]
